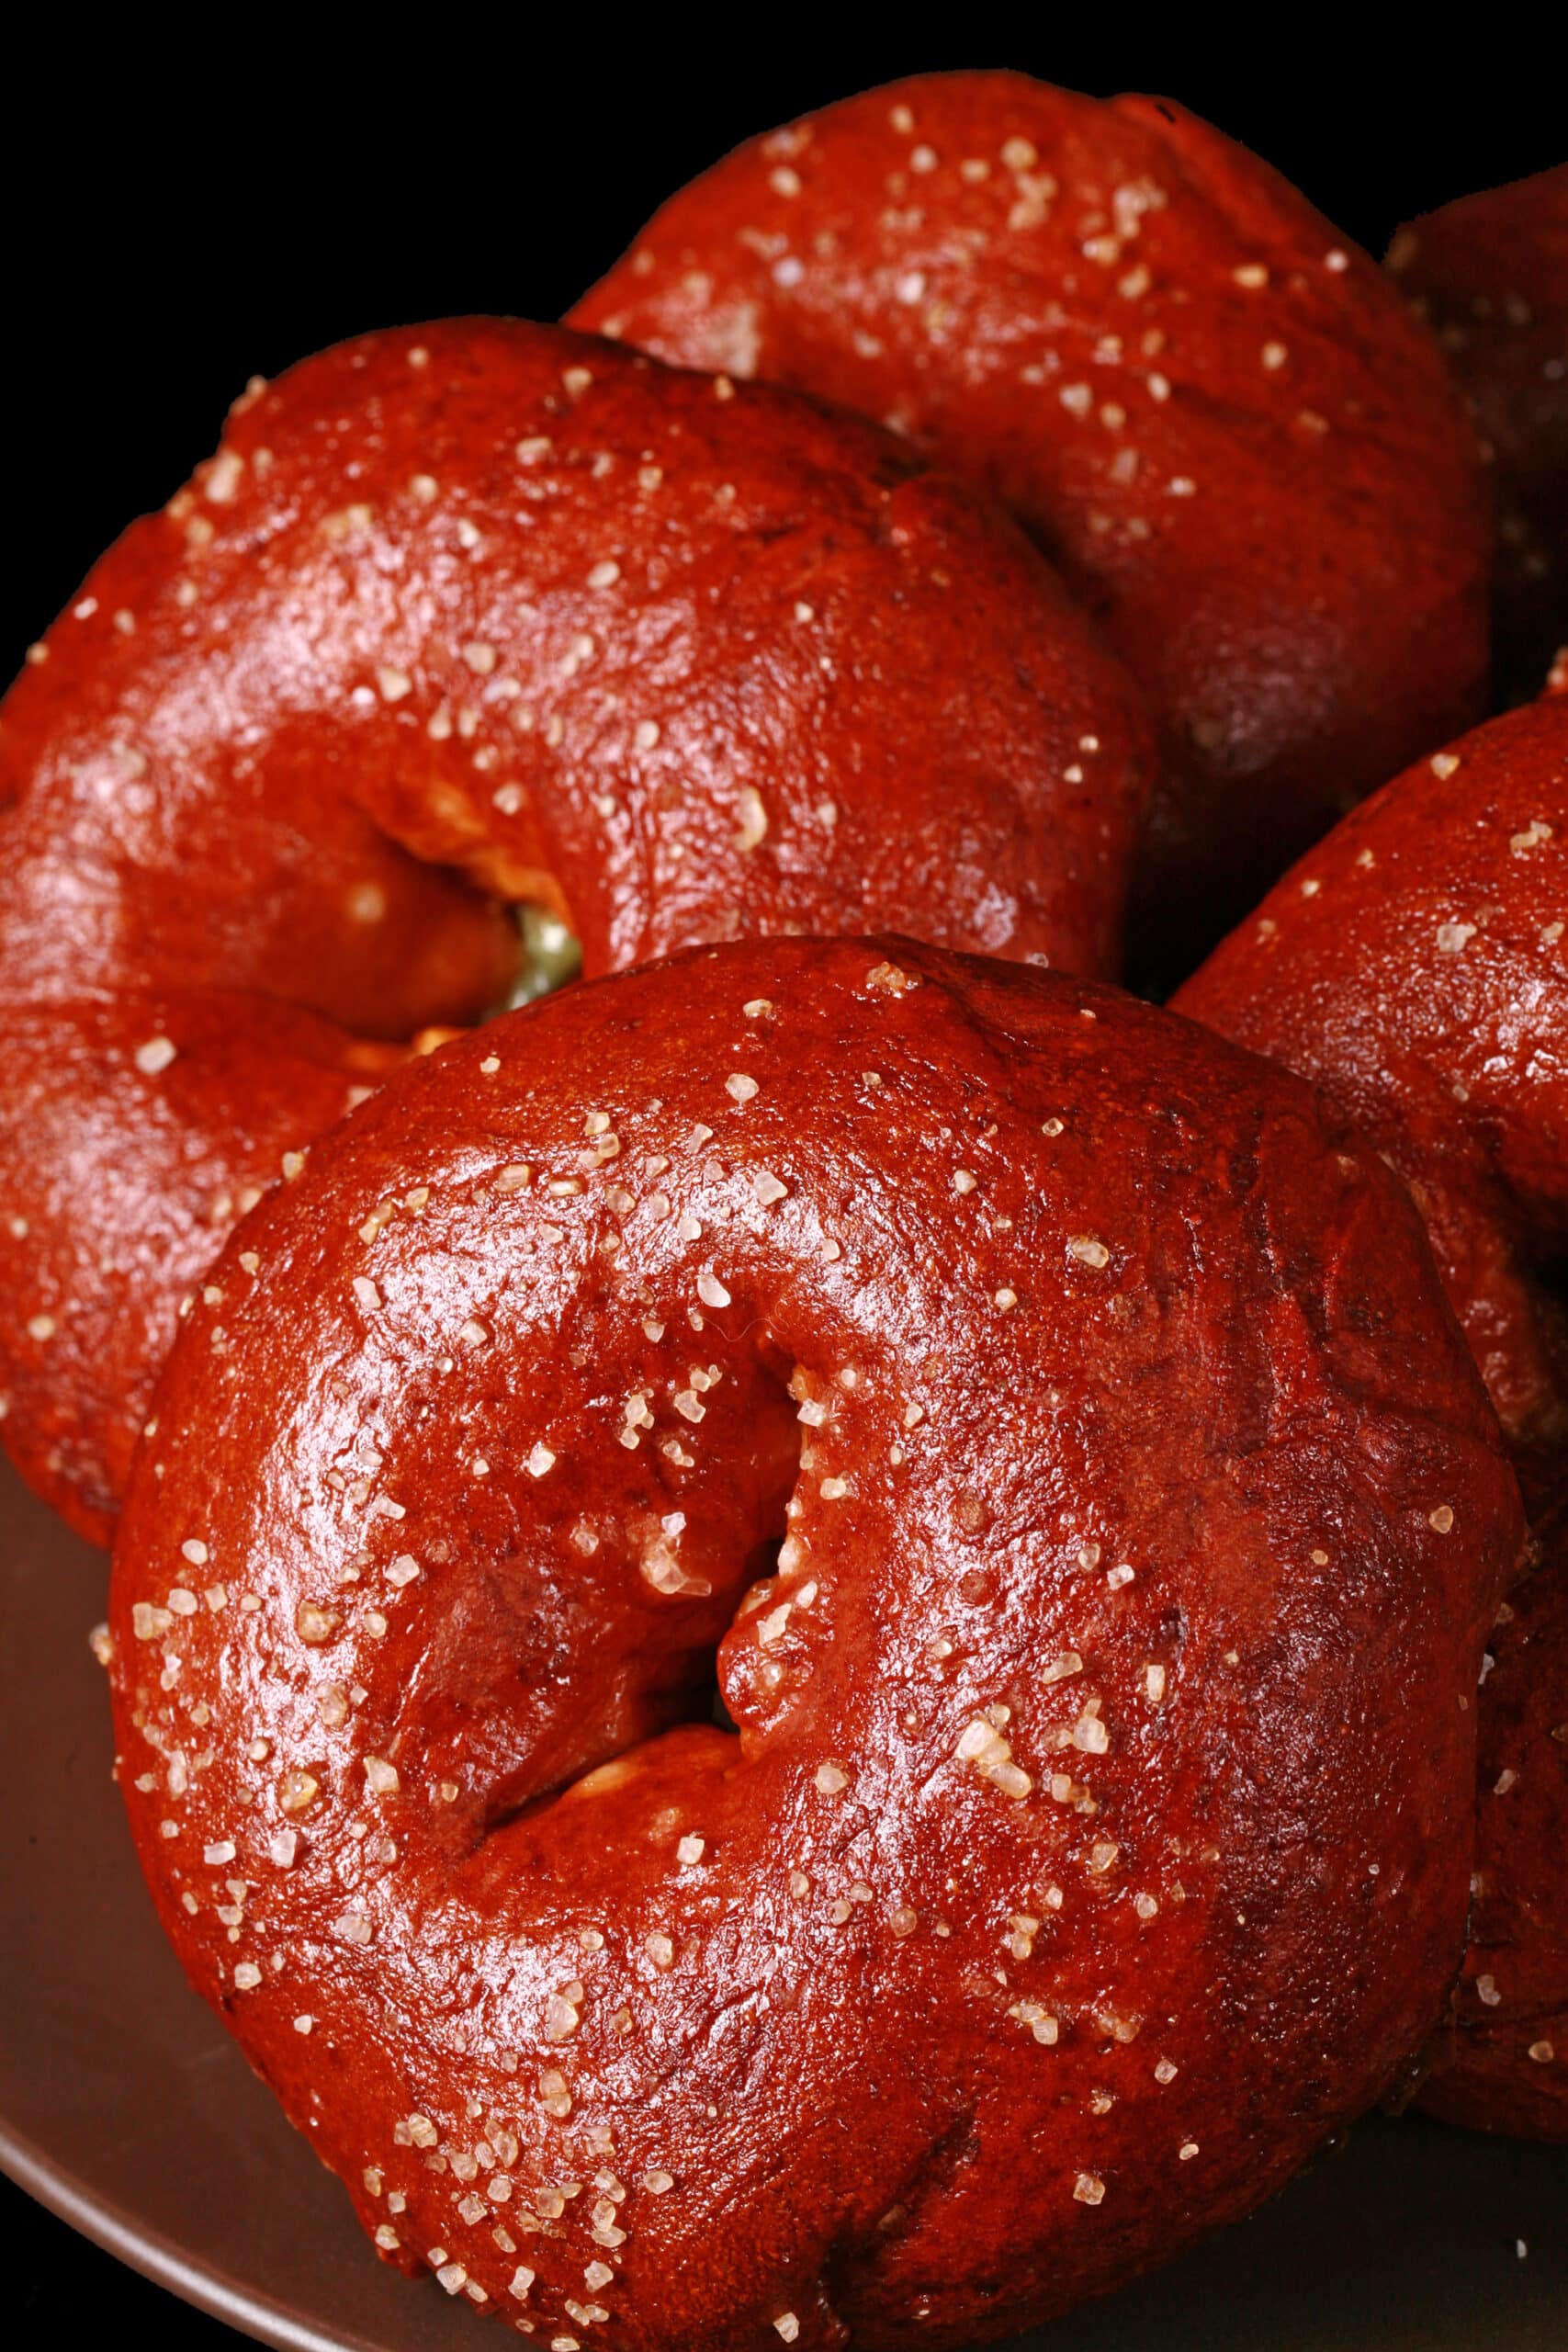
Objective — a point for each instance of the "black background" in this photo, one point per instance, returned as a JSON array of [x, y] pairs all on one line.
[[178, 222], [201, 218]]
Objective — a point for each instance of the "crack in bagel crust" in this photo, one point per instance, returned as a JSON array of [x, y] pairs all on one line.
[[459, 614], [1413, 967], [1091, 1841], [1206, 404]]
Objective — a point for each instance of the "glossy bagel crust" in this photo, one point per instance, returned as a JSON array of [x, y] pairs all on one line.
[[1416, 966], [1095, 1838], [1489, 274], [459, 614], [1206, 404]]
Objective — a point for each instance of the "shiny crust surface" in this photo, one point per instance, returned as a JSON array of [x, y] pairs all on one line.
[[474, 612], [1206, 403], [1093, 1839], [1416, 966], [1489, 273], [137, 1131]]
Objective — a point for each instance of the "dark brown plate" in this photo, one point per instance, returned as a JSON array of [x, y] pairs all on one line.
[[126, 2107]]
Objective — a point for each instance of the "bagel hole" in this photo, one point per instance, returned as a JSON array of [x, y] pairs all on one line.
[[704, 1700], [698, 1701], [549, 957], [682, 1688]]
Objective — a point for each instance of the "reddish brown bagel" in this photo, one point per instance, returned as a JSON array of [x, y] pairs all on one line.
[[469, 613], [1490, 273], [1204, 403], [1504, 2066], [1416, 966], [155, 1161], [1096, 1838]]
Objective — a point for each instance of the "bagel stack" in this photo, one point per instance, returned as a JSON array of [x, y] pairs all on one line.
[[802, 1638]]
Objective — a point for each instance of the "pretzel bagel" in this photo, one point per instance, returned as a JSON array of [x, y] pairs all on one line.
[[1103, 1720], [476, 614], [1489, 274], [1209, 408], [1414, 967]]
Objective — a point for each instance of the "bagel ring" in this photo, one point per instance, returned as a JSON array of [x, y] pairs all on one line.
[[1207, 406], [458, 617], [1414, 968], [1105, 1713]]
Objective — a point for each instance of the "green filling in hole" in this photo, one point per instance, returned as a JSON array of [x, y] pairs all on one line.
[[552, 956]]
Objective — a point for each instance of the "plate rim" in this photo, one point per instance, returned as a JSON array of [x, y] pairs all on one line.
[[162, 2259]]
